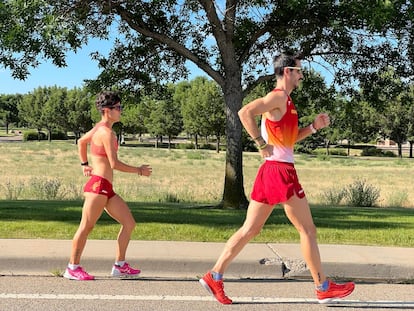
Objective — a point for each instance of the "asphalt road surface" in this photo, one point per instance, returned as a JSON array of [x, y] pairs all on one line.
[[55, 293]]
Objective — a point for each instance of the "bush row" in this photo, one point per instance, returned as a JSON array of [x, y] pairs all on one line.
[[35, 135]]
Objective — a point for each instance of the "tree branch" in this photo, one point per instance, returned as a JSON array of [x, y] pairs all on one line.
[[259, 80], [217, 29], [140, 26], [229, 18]]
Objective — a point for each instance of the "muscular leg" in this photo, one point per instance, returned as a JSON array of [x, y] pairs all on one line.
[[118, 210], [299, 214], [92, 209], [257, 214]]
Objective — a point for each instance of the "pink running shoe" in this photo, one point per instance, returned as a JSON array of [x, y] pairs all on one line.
[[125, 271], [335, 291], [78, 274]]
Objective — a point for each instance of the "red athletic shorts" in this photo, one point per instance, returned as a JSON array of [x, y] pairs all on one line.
[[99, 185], [276, 182]]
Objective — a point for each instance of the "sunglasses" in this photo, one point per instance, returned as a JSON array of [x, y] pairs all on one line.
[[119, 108], [297, 68]]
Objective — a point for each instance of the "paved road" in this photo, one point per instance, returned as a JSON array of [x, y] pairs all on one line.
[[40, 293], [11, 138], [171, 271]]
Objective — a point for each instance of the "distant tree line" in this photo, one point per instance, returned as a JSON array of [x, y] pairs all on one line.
[[195, 107], [382, 108]]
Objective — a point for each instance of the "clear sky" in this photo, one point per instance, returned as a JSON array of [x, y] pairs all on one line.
[[80, 66]]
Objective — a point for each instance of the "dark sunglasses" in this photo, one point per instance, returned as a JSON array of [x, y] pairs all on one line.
[[119, 108]]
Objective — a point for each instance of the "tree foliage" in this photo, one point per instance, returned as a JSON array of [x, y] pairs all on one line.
[[9, 112], [164, 119], [202, 108], [77, 106], [232, 41]]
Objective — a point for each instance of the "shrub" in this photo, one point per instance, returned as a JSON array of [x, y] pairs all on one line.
[[373, 151], [338, 152], [332, 152], [34, 135], [59, 135], [302, 149], [13, 191], [389, 153], [208, 146], [185, 146], [361, 194], [169, 198], [333, 196], [45, 188], [370, 151]]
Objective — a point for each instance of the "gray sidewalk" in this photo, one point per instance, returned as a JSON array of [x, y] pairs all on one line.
[[192, 259]]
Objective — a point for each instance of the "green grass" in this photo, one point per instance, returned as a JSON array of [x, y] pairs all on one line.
[[171, 204], [189, 222]]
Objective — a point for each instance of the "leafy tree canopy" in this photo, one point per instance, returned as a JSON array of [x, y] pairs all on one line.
[[232, 41]]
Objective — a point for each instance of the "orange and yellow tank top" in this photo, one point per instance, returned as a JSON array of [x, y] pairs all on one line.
[[282, 134]]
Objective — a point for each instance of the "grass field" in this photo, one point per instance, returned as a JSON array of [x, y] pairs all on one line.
[[190, 222], [174, 203], [188, 176]]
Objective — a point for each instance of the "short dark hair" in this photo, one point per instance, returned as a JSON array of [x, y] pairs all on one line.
[[107, 99], [285, 59]]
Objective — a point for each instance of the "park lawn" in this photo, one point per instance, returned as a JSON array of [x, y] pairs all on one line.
[[175, 202], [191, 176], [22, 219]]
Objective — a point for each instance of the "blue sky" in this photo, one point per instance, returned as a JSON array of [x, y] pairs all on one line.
[[80, 66]]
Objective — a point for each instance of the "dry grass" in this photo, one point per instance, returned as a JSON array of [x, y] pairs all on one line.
[[195, 176]]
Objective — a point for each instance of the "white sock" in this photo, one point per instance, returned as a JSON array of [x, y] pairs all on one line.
[[120, 263], [72, 266]]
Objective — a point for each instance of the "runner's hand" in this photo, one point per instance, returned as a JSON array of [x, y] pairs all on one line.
[[145, 170], [266, 152], [87, 170], [322, 120]]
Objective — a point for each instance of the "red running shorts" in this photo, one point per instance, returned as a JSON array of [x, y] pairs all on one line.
[[99, 185], [276, 182]]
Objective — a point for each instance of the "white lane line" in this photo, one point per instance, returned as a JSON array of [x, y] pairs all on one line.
[[238, 300]]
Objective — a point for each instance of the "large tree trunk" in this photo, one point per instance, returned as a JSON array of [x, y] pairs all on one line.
[[233, 195]]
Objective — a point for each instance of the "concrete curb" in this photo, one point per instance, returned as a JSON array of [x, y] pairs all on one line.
[[190, 260]]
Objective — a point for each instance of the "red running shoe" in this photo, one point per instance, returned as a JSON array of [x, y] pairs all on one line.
[[216, 288], [335, 291]]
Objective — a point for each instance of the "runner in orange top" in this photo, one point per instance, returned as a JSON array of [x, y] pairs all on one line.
[[277, 182], [98, 191]]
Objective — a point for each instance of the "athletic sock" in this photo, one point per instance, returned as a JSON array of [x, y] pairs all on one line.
[[72, 266], [323, 287], [216, 276], [120, 263]]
